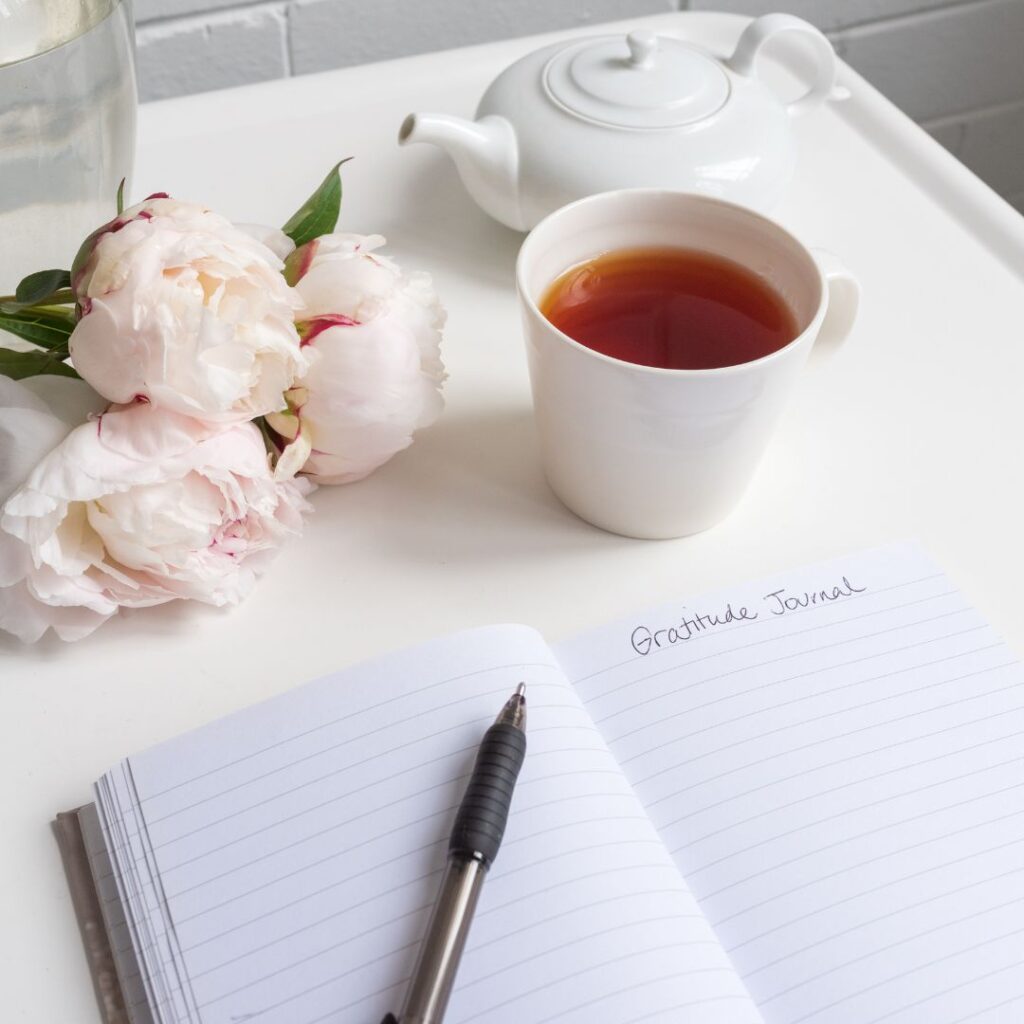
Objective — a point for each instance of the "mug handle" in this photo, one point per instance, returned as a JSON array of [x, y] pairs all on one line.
[[758, 32], [843, 300]]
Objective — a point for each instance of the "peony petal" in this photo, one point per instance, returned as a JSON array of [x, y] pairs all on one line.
[[273, 238], [80, 591], [28, 618], [69, 400], [34, 418], [294, 456], [114, 370], [15, 560]]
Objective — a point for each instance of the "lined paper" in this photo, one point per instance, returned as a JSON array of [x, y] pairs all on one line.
[[111, 907], [833, 758], [279, 864], [137, 890]]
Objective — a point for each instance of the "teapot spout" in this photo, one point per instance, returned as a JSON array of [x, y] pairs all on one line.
[[485, 153]]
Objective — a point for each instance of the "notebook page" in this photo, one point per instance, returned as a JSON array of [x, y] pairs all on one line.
[[299, 844], [840, 781], [128, 975], [138, 897]]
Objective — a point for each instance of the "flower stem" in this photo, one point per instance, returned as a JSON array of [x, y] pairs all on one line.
[[273, 448], [64, 295]]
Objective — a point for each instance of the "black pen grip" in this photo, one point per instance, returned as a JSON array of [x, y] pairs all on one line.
[[483, 814]]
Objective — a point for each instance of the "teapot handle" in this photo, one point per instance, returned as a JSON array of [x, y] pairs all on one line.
[[759, 32]]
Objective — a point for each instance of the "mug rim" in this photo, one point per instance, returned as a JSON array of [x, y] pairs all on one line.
[[666, 371]]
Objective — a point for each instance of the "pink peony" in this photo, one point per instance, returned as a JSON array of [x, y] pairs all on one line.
[[182, 308], [135, 508], [373, 339]]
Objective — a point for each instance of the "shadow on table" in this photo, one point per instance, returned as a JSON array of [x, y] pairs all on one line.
[[471, 489]]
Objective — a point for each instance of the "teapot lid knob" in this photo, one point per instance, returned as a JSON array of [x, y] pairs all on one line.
[[642, 46]]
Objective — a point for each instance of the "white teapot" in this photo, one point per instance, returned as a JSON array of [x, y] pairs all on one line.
[[610, 112]]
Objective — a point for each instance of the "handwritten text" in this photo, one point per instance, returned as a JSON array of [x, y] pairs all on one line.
[[644, 640], [647, 639], [779, 602]]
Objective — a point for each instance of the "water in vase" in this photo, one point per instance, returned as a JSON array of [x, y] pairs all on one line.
[[67, 126]]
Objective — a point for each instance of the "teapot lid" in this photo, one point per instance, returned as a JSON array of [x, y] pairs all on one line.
[[643, 81]]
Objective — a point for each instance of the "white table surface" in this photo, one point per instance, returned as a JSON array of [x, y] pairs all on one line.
[[914, 429]]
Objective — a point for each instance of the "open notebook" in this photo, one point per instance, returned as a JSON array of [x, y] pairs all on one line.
[[799, 800]]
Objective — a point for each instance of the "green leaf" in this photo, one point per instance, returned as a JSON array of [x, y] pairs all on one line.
[[45, 326], [120, 198], [318, 215], [20, 365], [10, 306], [41, 285]]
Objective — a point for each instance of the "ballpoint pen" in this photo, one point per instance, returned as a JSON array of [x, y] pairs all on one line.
[[472, 847]]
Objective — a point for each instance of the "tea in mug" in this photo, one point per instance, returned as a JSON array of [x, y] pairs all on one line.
[[678, 309]]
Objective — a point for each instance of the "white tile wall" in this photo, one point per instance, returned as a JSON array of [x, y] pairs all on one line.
[[944, 61], [828, 15], [333, 33], [212, 50], [990, 142], [957, 66], [152, 10]]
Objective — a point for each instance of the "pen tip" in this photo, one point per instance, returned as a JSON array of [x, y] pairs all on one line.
[[514, 710]]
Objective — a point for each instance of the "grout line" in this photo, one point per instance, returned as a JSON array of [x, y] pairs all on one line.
[[884, 22], [203, 18], [286, 41], [975, 113]]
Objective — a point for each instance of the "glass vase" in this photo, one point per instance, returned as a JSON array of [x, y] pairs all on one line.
[[67, 126]]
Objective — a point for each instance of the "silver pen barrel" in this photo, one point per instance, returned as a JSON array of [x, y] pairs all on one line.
[[443, 942], [474, 842]]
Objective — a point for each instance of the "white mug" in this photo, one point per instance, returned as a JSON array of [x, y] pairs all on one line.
[[649, 452]]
